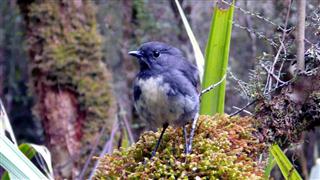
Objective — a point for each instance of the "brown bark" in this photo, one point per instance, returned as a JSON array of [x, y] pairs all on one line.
[[301, 33], [61, 118]]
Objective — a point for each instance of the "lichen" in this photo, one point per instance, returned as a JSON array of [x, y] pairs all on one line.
[[65, 49], [223, 148], [282, 121]]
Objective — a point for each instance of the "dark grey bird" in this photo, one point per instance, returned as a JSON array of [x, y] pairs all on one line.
[[167, 88]]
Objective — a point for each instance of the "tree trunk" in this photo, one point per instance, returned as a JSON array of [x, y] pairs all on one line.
[[69, 80], [61, 116]]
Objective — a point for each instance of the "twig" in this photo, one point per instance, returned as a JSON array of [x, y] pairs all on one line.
[[93, 149], [282, 47], [280, 86], [309, 42], [258, 34], [272, 74], [113, 132], [248, 112], [282, 63], [251, 35], [243, 108], [240, 83], [253, 14], [123, 118], [107, 148], [213, 86]]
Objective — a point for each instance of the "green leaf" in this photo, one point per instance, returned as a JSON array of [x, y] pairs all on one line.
[[269, 167], [125, 140], [217, 55], [40, 156], [287, 169], [16, 163], [5, 176], [27, 150], [195, 45]]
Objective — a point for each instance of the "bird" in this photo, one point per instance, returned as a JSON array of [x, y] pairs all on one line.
[[166, 89]]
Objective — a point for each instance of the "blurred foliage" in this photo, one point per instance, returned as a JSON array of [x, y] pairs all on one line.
[[224, 148], [13, 60]]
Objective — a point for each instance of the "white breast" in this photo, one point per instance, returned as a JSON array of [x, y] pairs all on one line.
[[154, 105]]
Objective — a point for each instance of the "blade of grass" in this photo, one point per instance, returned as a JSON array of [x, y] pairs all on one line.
[[287, 169], [16, 163], [269, 167], [41, 155], [217, 55], [195, 45]]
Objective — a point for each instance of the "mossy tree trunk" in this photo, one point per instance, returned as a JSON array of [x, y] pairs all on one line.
[[68, 78]]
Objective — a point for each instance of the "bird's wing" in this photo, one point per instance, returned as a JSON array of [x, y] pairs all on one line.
[[192, 74]]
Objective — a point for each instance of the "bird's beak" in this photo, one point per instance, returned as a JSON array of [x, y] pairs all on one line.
[[136, 54]]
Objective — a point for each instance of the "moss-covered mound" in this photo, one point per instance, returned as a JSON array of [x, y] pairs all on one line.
[[223, 148]]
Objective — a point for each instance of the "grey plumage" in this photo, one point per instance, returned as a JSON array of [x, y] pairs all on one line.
[[166, 90]]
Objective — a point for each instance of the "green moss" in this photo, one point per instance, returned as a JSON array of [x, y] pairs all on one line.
[[66, 55], [223, 148]]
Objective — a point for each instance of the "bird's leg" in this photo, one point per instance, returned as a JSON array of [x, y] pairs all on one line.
[[185, 135], [193, 128], [164, 127]]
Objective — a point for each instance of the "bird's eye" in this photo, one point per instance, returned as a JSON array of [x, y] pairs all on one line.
[[156, 54]]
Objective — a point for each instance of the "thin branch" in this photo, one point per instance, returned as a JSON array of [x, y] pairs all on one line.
[[301, 33], [213, 86], [248, 112], [257, 15], [107, 148], [280, 86], [260, 35], [115, 128], [123, 118], [251, 35], [282, 63], [240, 83], [93, 150], [243, 108], [272, 74], [282, 47]]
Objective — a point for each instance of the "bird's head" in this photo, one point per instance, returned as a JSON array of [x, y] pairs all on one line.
[[157, 55]]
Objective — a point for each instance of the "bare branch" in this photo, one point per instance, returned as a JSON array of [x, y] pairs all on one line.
[[123, 117], [212, 86], [255, 14], [281, 48], [93, 150], [260, 35], [240, 83], [252, 36], [272, 74], [243, 108], [237, 108], [107, 148]]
